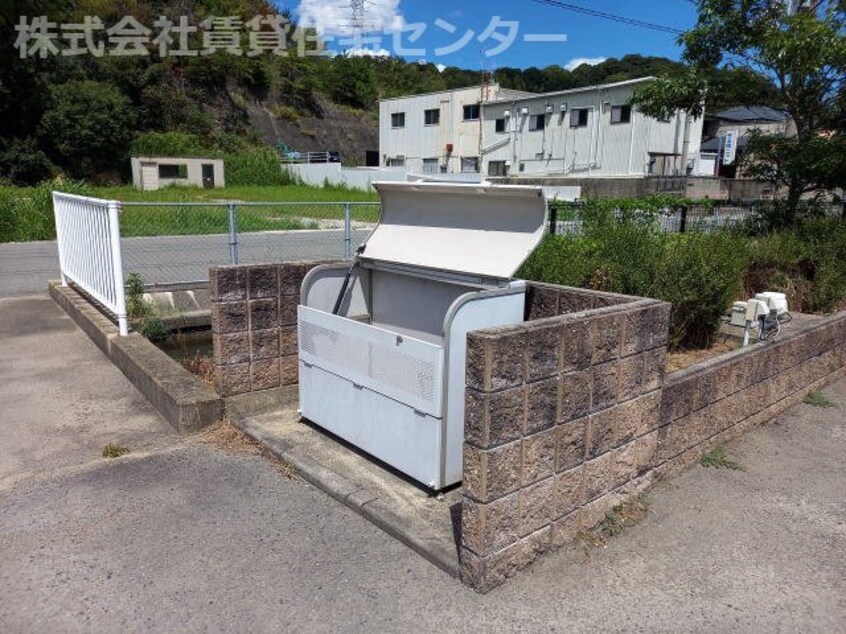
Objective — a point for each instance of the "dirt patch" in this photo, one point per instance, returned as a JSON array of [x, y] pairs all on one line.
[[682, 359], [228, 437], [201, 366], [335, 127], [617, 520]]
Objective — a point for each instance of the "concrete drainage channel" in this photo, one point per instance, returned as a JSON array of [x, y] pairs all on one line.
[[180, 397]]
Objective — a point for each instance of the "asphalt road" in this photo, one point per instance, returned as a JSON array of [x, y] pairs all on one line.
[[26, 267], [183, 535]]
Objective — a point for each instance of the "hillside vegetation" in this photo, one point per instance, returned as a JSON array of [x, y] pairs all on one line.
[[82, 116]]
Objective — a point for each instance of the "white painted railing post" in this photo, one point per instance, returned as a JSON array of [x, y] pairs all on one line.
[[60, 221], [117, 267]]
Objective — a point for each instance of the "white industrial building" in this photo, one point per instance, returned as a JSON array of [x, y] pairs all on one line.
[[438, 132], [584, 132]]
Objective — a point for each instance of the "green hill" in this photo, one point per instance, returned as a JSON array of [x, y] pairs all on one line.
[[83, 116]]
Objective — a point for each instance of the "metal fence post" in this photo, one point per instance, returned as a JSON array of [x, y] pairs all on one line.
[[683, 219], [233, 234], [117, 267], [553, 219], [347, 232]]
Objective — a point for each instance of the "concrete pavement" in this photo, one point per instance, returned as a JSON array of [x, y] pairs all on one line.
[[182, 535], [62, 401]]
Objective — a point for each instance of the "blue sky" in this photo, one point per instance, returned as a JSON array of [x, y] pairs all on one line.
[[589, 38]]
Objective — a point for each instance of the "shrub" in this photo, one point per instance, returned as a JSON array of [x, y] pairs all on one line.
[[170, 144], [255, 166], [806, 263], [288, 113], [562, 260], [142, 314], [88, 126], [23, 163], [699, 274]]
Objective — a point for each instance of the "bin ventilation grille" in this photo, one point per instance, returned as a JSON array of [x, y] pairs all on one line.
[[382, 363]]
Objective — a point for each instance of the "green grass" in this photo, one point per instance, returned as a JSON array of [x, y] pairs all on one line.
[[274, 193], [818, 399], [26, 213], [624, 516], [718, 459], [114, 451]]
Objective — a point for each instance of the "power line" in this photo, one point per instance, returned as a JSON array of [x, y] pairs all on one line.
[[610, 16]]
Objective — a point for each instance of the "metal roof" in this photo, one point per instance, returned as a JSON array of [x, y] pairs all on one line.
[[571, 91], [752, 114]]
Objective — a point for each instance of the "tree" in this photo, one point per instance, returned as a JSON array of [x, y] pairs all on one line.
[[803, 53], [353, 82], [87, 126]]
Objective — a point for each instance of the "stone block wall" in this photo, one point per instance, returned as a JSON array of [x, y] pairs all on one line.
[[562, 418], [254, 325], [717, 400], [569, 414]]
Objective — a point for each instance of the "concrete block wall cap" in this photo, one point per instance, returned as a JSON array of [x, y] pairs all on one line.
[[584, 291]]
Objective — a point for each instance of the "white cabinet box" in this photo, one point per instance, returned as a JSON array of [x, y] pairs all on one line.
[[387, 372]]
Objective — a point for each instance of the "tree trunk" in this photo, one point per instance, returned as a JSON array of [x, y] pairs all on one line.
[[794, 195]]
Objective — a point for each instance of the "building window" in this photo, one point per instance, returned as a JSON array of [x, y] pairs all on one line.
[[497, 168], [398, 120], [470, 164], [430, 166], [397, 161], [173, 171], [537, 122], [621, 114], [432, 117], [471, 112], [500, 125], [579, 117]]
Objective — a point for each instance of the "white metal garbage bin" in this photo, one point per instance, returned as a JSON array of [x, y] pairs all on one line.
[[387, 372]]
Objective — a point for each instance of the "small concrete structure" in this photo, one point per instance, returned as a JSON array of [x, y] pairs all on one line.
[[154, 172]]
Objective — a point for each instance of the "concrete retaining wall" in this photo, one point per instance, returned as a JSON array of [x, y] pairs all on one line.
[[179, 396], [569, 414]]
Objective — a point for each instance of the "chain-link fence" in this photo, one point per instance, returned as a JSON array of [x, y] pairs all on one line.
[[176, 242], [569, 218]]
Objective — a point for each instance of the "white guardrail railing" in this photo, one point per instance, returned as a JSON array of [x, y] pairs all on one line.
[[88, 236]]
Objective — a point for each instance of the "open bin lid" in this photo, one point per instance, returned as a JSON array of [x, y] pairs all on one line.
[[479, 229]]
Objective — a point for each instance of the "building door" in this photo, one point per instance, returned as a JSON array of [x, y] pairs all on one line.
[[208, 175], [149, 176]]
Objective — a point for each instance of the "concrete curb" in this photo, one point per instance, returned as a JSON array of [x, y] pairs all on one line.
[[360, 500], [179, 397]]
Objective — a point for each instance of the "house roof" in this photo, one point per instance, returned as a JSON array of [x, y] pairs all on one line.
[[714, 144], [752, 114], [570, 91]]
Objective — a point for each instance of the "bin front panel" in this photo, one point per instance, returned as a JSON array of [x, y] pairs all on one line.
[[400, 367]]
